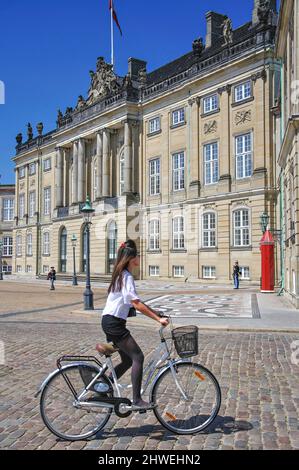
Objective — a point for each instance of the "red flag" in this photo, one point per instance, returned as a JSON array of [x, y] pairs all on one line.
[[115, 16]]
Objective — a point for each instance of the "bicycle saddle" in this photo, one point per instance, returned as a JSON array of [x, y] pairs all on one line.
[[106, 349]]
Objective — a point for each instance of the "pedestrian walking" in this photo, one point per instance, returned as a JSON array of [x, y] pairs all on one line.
[[236, 274], [52, 277]]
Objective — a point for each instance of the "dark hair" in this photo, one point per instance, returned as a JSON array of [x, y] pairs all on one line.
[[125, 254]]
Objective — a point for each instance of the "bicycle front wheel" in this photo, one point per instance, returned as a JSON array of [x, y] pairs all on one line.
[[59, 410], [187, 398]]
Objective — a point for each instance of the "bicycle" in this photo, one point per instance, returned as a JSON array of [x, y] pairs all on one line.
[[78, 398]]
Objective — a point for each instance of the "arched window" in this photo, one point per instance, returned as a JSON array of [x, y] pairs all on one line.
[[209, 230], [84, 249], [121, 173], [111, 245], [63, 250]]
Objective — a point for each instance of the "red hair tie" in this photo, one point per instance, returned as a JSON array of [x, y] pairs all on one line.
[[123, 245]]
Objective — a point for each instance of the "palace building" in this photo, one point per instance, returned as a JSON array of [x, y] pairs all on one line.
[[7, 196], [180, 159]]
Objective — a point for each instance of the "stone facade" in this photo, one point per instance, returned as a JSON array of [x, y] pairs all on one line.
[[180, 159], [287, 125], [7, 196]]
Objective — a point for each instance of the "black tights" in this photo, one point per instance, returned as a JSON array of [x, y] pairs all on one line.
[[131, 355]]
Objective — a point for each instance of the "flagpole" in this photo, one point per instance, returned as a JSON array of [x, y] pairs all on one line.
[[112, 36]]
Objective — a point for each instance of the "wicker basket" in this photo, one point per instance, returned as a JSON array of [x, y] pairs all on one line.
[[186, 341]]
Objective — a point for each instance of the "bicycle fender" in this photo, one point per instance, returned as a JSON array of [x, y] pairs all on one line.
[[49, 377]]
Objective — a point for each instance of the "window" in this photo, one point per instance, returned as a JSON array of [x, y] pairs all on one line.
[[243, 156], [154, 235], [63, 250], [211, 166], [7, 246], [178, 169], [8, 210], [122, 173], [28, 268], [154, 172], [47, 201], [178, 233], [154, 270], [241, 228], [178, 271], [6, 268], [19, 268], [29, 244], [209, 272], [46, 243], [209, 230], [211, 103], [154, 125], [47, 164], [178, 116], [31, 204], [244, 272], [32, 168], [19, 245], [45, 269], [242, 91], [22, 172], [294, 283], [111, 245], [21, 206]]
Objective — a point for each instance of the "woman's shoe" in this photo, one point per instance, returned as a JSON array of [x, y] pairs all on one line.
[[142, 406]]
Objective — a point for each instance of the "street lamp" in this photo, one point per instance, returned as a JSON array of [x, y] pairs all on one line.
[[74, 243], [1, 248], [88, 212], [264, 221]]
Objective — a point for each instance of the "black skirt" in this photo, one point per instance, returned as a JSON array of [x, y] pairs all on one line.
[[114, 328]]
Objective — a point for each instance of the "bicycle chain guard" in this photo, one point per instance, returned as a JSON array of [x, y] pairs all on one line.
[[118, 402]]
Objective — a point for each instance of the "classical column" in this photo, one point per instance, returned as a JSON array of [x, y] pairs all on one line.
[[99, 159], [106, 163], [66, 188], [128, 157], [59, 177], [75, 174], [81, 163]]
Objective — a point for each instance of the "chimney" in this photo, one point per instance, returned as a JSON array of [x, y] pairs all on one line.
[[257, 4], [135, 65], [214, 27]]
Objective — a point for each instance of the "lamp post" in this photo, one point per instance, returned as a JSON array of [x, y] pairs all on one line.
[[88, 212], [1, 248], [264, 221], [74, 243]]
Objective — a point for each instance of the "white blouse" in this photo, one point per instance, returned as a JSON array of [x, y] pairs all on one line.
[[119, 303]]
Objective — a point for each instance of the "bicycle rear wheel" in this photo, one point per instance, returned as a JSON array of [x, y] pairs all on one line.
[[200, 406], [59, 412]]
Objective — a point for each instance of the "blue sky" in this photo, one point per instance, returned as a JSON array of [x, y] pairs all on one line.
[[48, 47]]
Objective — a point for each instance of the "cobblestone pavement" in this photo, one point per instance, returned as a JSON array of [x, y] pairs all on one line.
[[259, 382]]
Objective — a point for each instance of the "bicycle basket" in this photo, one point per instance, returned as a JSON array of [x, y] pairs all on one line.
[[186, 341]]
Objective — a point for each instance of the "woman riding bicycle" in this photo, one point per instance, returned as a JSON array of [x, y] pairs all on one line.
[[122, 299]]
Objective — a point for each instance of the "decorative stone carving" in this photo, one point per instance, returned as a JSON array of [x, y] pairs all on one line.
[[29, 131], [19, 138], [81, 103], [263, 11], [210, 127], [40, 128], [242, 116], [22, 185], [262, 74], [227, 31], [59, 118], [103, 81], [224, 88], [32, 182], [142, 76], [198, 47]]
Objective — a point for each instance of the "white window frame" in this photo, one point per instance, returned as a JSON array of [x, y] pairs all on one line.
[[46, 269], [244, 158], [22, 172], [154, 235], [28, 268], [19, 243], [178, 171], [32, 168], [47, 164], [242, 270], [178, 271], [243, 229], [178, 233], [241, 91], [47, 201], [154, 176], [154, 125], [209, 272], [32, 203], [21, 205], [19, 268], [154, 271], [211, 163], [7, 246], [178, 116], [46, 243], [209, 229], [8, 210], [29, 244], [211, 103]]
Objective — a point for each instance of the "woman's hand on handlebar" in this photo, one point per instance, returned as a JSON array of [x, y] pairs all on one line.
[[164, 321]]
